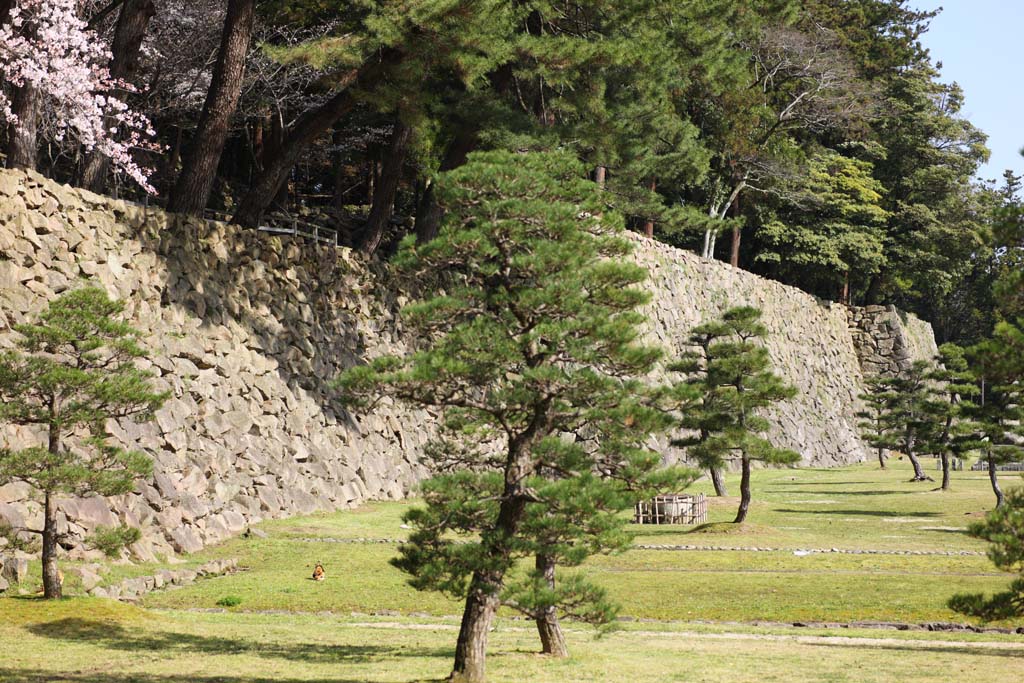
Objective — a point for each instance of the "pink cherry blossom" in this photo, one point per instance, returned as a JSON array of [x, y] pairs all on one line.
[[45, 44]]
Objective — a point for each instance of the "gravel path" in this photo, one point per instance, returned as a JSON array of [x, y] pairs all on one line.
[[703, 548]]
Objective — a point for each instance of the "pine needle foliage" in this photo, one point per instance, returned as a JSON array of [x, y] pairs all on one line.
[[731, 371], [1004, 529], [998, 365], [531, 352], [73, 371]]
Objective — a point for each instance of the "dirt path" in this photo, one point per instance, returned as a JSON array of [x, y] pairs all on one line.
[[859, 641]]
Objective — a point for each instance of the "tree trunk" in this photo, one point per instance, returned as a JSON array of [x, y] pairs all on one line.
[[945, 470], [601, 176], [131, 29], [649, 224], [471, 648], [51, 576], [881, 457], [483, 598], [23, 137], [552, 639], [919, 473], [737, 235], [310, 126], [52, 589], [741, 514], [192, 191], [429, 212], [718, 481], [993, 477], [386, 188], [844, 293]]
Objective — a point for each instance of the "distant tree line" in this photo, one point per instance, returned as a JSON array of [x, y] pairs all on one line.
[[815, 138]]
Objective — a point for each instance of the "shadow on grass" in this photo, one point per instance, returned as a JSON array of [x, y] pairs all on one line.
[[841, 493], [115, 637], [935, 649], [866, 513], [106, 676], [820, 483]]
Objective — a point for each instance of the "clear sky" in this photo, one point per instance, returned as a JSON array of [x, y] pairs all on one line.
[[981, 46]]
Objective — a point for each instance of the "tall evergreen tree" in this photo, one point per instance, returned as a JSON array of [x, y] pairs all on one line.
[[1004, 529], [873, 426], [535, 337], [998, 364], [707, 417], [905, 415], [75, 370], [953, 434], [733, 376], [832, 234]]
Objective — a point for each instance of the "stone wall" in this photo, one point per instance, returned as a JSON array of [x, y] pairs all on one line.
[[809, 344], [888, 341], [246, 330]]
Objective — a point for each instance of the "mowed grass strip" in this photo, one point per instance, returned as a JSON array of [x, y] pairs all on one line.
[[91, 641], [667, 584]]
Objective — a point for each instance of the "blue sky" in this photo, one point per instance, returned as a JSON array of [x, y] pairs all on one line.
[[981, 46]]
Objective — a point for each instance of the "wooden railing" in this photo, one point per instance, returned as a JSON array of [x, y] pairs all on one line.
[[290, 226]]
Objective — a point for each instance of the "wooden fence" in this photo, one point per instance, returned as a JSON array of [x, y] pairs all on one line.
[[1005, 467], [282, 225], [673, 508]]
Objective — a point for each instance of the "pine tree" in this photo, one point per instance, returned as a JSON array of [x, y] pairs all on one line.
[[74, 371], [905, 415], [734, 377], [952, 433], [998, 364], [534, 338], [707, 416], [873, 427], [1004, 529]]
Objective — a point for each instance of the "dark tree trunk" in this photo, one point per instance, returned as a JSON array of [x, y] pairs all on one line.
[[483, 598], [386, 189], [718, 481], [428, 211], [310, 126], [993, 478], [23, 136], [881, 457], [649, 223], [919, 473], [741, 514], [737, 235], [52, 588], [945, 470], [552, 639], [131, 29], [471, 648], [844, 293], [192, 191]]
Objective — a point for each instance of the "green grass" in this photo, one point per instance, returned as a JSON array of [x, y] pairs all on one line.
[[88, 641], [863, 508], [694, 609]]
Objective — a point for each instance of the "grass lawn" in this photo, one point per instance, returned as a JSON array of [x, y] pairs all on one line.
[[855, 508], [695, 609], [92, 641]]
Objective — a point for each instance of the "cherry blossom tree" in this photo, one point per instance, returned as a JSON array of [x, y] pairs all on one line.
[[48, 50]]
